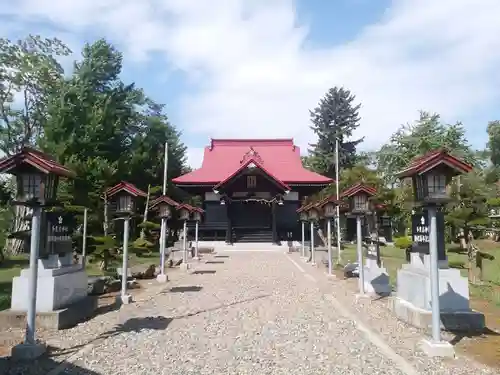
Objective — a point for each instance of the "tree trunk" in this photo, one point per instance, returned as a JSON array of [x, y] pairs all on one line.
[[15, 246], [145, 218]]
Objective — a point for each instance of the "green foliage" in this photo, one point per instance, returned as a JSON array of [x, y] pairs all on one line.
[[412, 140], [103, 250], [335, 117], [402, 242]]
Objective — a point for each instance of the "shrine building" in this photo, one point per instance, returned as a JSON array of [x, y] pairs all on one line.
[[251, 190]]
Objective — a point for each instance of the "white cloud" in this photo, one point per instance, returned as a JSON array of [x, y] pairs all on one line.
[[257, 79]]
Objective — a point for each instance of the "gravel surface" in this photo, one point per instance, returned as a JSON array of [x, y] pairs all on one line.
[[257, 314], [402, 337]]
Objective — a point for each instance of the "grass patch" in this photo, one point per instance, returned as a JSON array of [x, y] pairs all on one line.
[[12, 267]]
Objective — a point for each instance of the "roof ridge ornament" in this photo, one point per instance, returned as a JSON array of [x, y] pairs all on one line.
[[252, 154]]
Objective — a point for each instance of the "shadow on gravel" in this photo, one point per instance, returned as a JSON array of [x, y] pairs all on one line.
[[221, 256], [44, 365], [136, 325], [185, 289], [204, 272], [220, 307], [459, 336], [214, 262], [52, 361]]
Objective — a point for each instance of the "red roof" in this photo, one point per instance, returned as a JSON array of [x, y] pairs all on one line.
[[127, 187], [164, 199], [224, 157], [431, 160], [258, 164], [37, 159], [358, 188]]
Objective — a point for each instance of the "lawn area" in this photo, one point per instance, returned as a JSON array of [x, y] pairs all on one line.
[[394, 257], [12, 267]]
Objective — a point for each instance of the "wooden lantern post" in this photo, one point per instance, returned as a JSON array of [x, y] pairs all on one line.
[[430, 175], [123, 198], [164, 207], [37, 176], [358, 197]]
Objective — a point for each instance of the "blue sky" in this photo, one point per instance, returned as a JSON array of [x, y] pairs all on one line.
[[253, 68]]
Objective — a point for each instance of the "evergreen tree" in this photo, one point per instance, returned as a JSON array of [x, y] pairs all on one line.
[[335, 117]]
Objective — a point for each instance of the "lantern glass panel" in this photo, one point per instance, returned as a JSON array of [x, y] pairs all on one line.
[[197, 216], [313, 214], [184, 214], [125, 203], [436, 185], [165, 210], [360, 202], [31, 185], [329, 210], [303, 216]]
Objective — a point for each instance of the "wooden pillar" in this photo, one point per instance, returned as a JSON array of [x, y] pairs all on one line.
[[229, 229], [273, 222]]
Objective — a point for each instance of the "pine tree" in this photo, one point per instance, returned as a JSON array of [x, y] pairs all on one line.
[[336, 116]]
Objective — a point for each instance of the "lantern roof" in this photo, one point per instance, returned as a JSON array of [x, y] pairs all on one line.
[[42, 162], [198, 209], [358, 188], [329, 199], [185, 206], [126, 187], [433, 159], [164, 199]]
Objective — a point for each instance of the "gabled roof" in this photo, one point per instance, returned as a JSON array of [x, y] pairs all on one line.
[[358, 188], [329, 199], [279, 157], [433, 159], [127, 187], [37, 159], [163, 199], [252, 160]]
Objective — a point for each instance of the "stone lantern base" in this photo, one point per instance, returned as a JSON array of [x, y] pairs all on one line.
[[62, 299], [412, 303]]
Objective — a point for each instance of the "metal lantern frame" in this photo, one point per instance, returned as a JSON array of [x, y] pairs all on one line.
[[197, 214], [184, 211], [359, 197], [124, 197], [165, 206], [37, 176], [431, 175], [313, 213]]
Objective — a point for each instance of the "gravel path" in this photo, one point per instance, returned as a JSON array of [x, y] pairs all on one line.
[[241, 313]]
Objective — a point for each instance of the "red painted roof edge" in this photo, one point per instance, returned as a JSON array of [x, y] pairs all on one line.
[[125, 186], [165, 199], [329, 199], [258, 165], [421, 163], [349, 192], [221, 142], [36, 158]]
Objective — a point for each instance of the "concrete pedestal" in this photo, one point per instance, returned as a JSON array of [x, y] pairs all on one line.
[[27, 352], [185, 266], [124, 300], [413, 301], [437, 349], [162, 278], [61, 299], [376, 278]]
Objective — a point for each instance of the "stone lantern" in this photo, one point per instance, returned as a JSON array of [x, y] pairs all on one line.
[[165, 206], [123, 198], [422, 278], [37, 176]]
